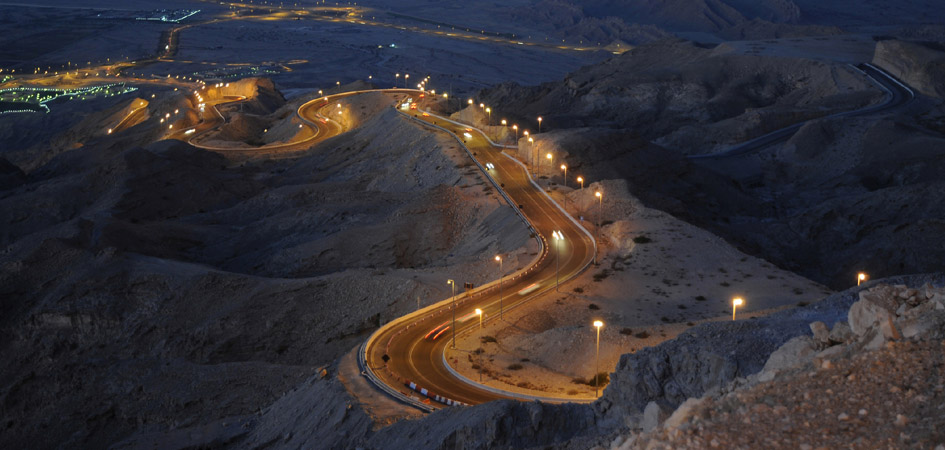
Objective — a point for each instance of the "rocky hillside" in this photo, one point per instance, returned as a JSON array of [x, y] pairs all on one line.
[[874, 380], [158, 286], [689, 97]]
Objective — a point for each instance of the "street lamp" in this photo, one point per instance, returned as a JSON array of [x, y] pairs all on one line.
[[559, 236], [736, 302], [550, 160], [479, 313], [597, 324], [581, 180], [489, 112], [531, 147], [470, 102], [600, 210], [860, 277], [453, 285], [564, 167], [539, 124], [501, 275], [406, 75], [515, 127]]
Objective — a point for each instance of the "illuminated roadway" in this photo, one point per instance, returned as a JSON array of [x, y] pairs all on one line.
[[416, 359]]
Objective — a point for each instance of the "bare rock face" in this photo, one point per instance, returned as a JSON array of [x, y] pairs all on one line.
[[794, 352], [894, 312], [921, 66], [653, 416]]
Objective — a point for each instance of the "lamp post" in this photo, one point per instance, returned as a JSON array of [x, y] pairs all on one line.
[[453, 284], [597, 324], [736, 302], [479, 313], [489, 112], [501, 275], [470, 102], [600, 210], [515, 127], [558, 236], [860, 277], [406, 75], [564, 167], [581, 180], [550, 160], [539, 124], [531, 147]]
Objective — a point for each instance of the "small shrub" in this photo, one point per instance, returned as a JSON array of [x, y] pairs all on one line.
[[642, 335], [724, 284], [476, 366], [579, 290], [642, 239], [593, 307], [690, 324], [606, 222], [524, 360], [802, 303], [515, 366], [578, 380], [700, 298], [487, 339], [600, 380], [572, 392], [664, 319], [626, 331]]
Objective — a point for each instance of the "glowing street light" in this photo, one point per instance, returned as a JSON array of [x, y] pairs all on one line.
[[406, 75], [736, 302], [581, 180], [479, 313], [501, 275], [860, 277], [453, 285], [558, 236], [564, 167], [470, 102], [504, 122], [551, 159], [489, 112], [597, 324], [539, 124], [515, 127], [600, 211]]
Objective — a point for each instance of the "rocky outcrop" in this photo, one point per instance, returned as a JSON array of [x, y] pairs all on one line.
[[921, 66], [708, 357], [874, 383]]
